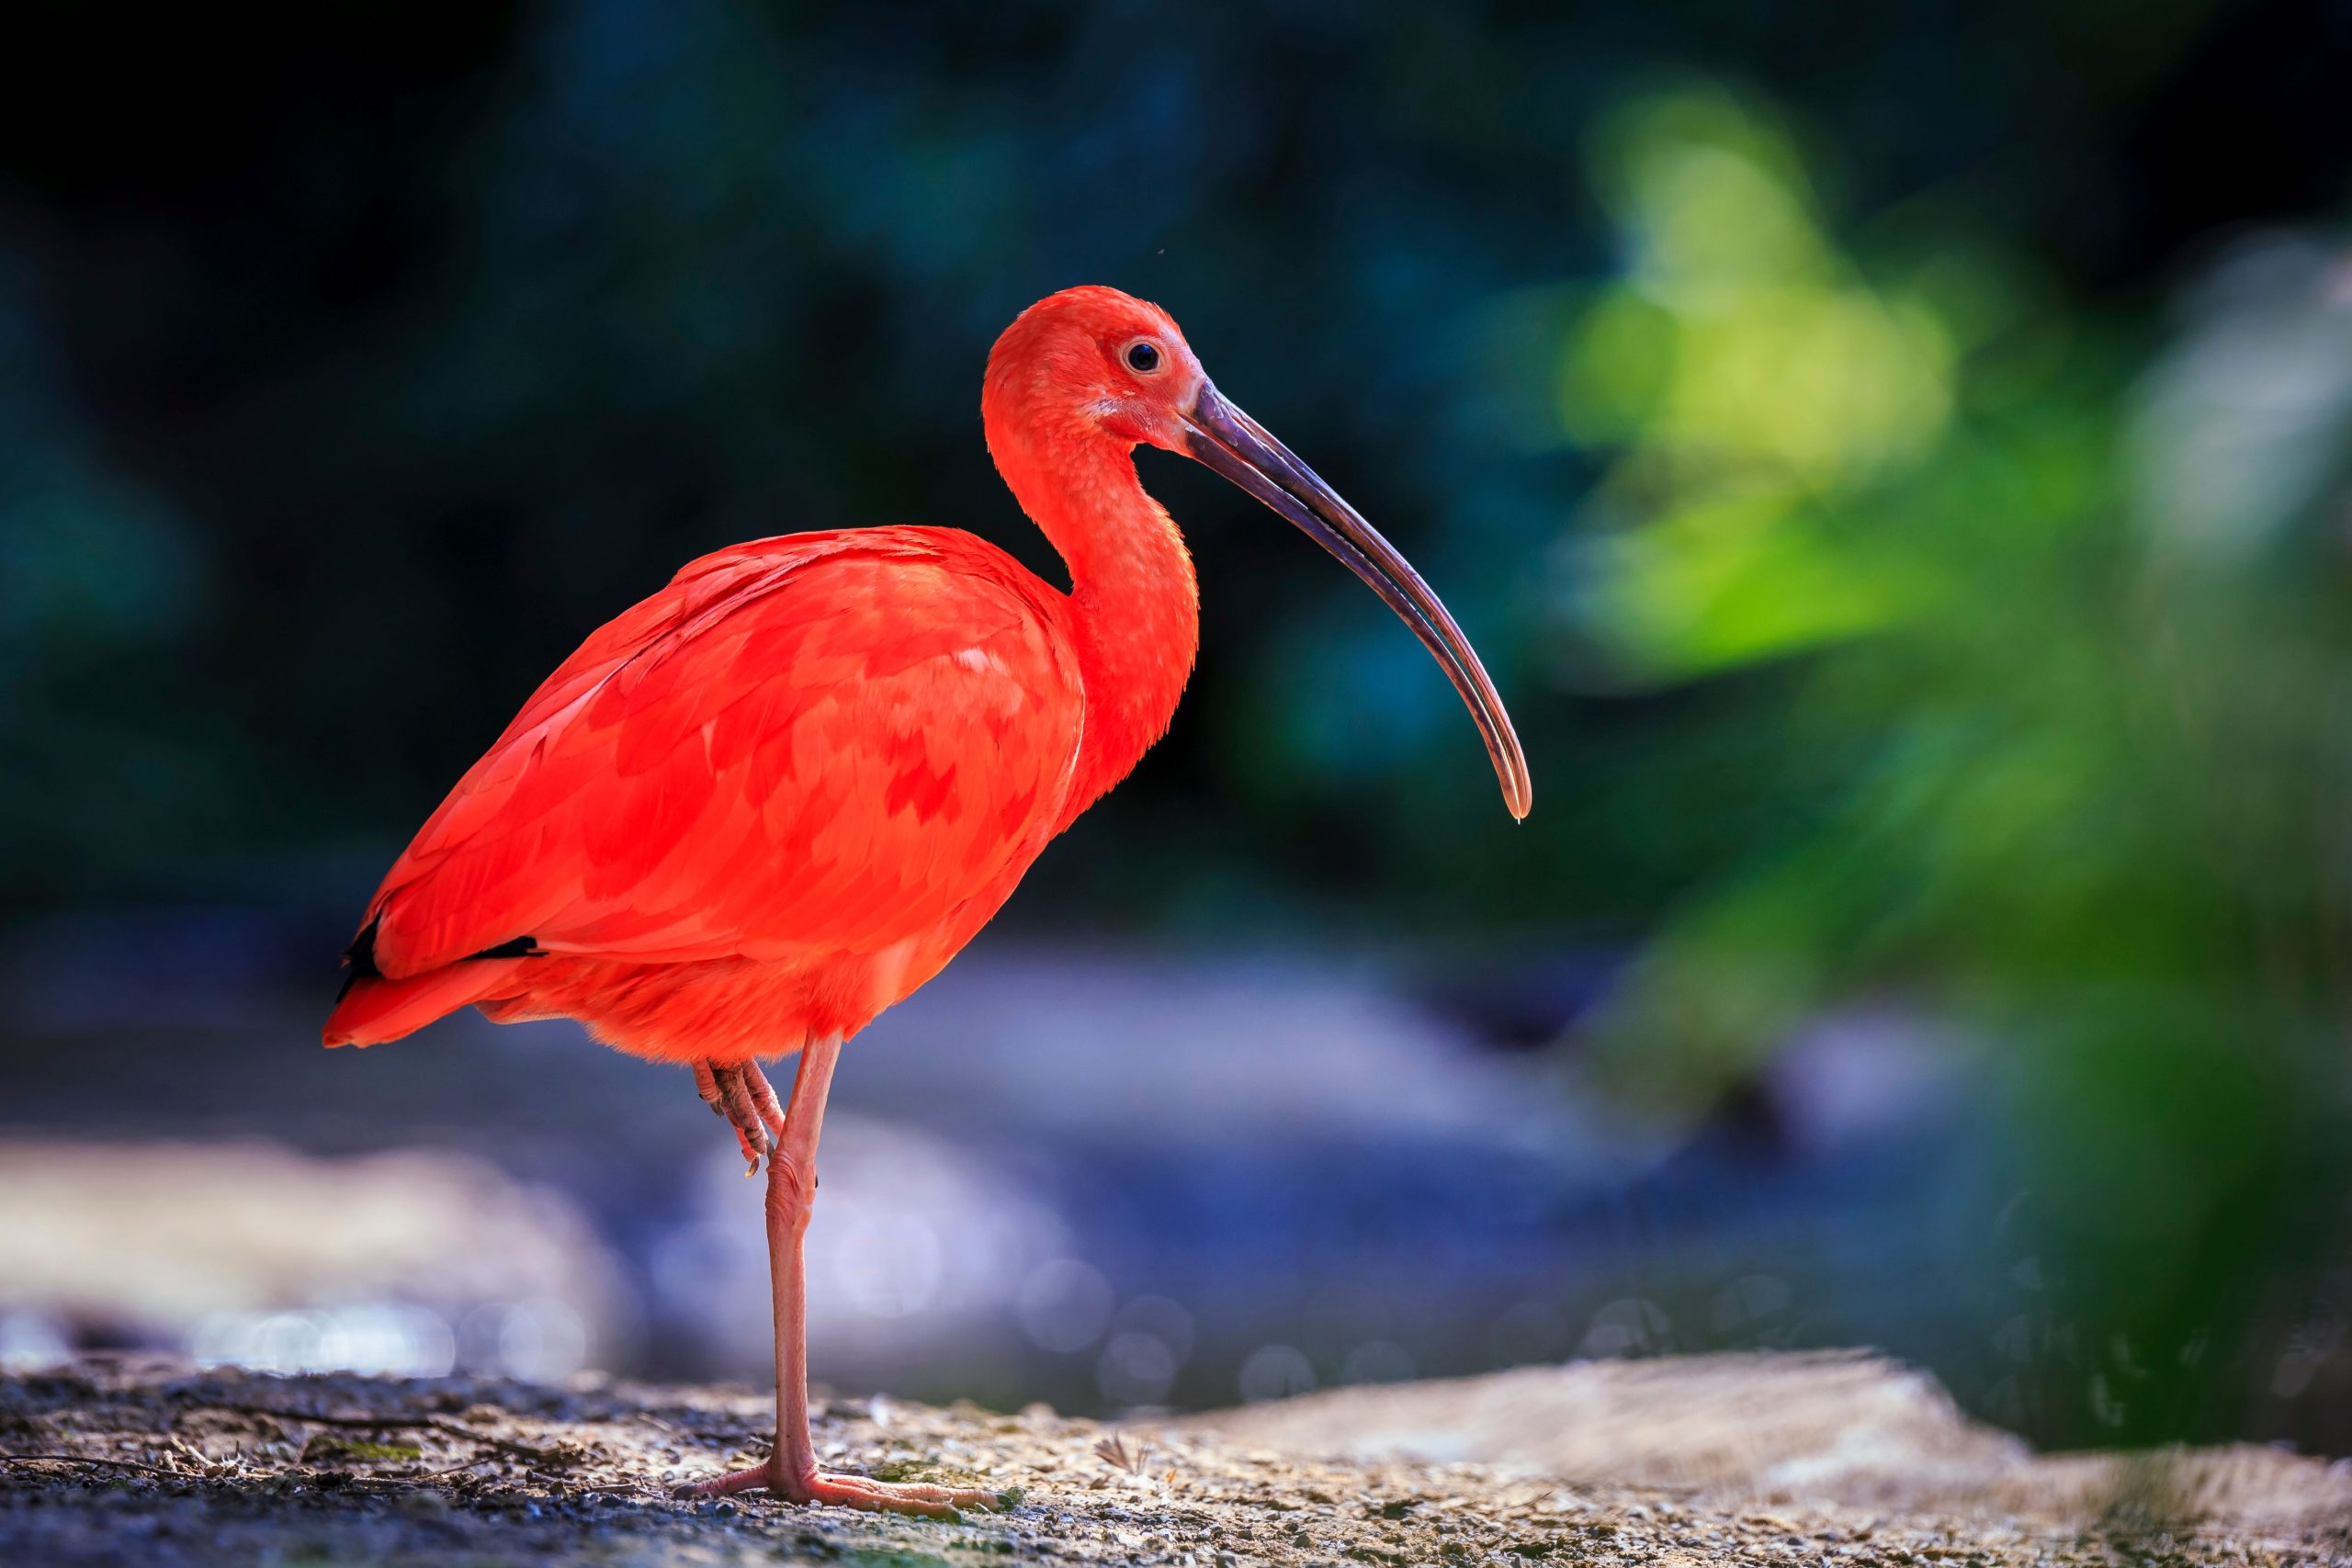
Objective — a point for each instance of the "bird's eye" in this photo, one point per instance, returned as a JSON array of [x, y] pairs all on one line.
[[1143, 356]]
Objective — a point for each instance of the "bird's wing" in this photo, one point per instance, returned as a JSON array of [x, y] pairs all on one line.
[[824, 741]]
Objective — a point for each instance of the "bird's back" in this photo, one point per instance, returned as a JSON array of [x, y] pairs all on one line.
[[798, 777]]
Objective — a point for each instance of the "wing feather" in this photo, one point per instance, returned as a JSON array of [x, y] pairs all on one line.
[[824, 741]]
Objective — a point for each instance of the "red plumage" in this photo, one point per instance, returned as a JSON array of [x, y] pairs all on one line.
[[767, 802]]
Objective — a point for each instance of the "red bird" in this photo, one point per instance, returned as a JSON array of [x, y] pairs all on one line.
[[779, 794]]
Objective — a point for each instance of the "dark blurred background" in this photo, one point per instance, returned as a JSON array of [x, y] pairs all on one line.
[[1897, 461]]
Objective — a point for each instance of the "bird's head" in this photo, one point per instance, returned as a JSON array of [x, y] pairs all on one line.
[[1093, 369], [1091, 362]]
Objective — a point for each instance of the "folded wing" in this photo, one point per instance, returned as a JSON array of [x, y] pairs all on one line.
[[821, 742]]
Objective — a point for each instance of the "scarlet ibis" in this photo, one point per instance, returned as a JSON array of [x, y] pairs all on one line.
[[775, 797]]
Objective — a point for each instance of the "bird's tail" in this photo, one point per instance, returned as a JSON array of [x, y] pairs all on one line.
[[374, 1009]]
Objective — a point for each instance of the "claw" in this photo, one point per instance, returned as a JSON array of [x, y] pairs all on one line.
[[735, 1099]]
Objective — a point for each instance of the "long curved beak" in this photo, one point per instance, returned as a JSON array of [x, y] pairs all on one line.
[[1242, 450]]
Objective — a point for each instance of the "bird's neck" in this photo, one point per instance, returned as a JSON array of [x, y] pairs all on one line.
[[1135, 605]]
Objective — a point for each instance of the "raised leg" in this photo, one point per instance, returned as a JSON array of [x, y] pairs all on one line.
[[791, 1470], [742, 1095], [763, 1097]]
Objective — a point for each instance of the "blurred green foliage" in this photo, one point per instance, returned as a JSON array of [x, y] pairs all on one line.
[[2081, 786]]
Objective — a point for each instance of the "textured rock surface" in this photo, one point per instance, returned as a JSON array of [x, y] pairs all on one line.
[[1831, 1427], [1798, 1460]]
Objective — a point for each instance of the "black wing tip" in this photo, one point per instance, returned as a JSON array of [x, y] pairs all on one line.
[[360, 956]]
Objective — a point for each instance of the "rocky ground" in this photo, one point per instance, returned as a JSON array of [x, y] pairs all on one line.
[[1831, 1461]]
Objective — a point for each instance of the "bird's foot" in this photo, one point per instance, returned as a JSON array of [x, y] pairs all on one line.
[[815, 1486], [742, 1094]]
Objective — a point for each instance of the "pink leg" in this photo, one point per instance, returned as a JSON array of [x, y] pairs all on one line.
[[791, 1470]]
